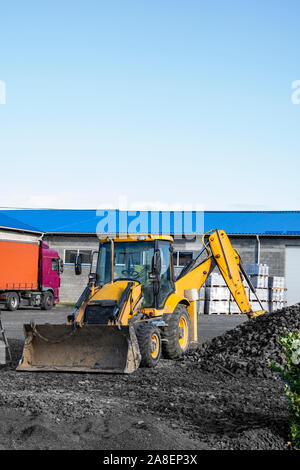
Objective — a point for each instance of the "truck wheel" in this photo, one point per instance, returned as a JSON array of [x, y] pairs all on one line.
[[13, 301], [149, 340], [177, 334], [47, 301]]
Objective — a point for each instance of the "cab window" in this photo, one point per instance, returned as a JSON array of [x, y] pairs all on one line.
[[55, 265]]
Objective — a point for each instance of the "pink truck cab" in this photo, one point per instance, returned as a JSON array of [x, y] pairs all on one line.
[[50, 267]]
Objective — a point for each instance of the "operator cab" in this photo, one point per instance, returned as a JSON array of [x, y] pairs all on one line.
[[147, 261]]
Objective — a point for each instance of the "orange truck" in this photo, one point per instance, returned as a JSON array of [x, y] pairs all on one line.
[[29, 274]]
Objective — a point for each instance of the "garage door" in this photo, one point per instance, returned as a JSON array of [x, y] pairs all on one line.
[[292, 269]]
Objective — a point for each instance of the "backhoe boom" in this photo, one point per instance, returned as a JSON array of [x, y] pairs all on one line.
[[227, 259]]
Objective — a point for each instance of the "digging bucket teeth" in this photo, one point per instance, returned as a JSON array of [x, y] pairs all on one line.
[[70, 348]]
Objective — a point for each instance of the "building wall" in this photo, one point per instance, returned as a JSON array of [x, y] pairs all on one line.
[[72, 285], [272, 253], [272, 250]]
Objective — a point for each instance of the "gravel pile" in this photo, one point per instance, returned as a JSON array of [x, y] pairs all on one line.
[[248, 349]]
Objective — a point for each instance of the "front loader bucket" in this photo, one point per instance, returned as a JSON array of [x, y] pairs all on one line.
[[90, 348]]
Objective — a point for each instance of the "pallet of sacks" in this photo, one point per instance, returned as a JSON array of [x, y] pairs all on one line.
[[271, 290], [217, 295], [270, 293], [277, 293], [259, 275], [218, 298]]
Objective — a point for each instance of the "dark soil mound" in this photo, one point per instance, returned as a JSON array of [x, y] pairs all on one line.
[[248, 348]]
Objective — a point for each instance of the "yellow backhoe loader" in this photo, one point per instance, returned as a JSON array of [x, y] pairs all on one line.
[[133, 310]]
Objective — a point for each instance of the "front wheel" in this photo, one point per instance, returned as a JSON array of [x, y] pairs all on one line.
[[47, 301], [149, 340], [177, 334]]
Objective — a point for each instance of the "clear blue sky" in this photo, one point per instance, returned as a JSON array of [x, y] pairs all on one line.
[[150, 102]]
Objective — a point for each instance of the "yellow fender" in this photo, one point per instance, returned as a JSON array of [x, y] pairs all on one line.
[[172, 301]]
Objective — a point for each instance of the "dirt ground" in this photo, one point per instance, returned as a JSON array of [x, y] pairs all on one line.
[[176, 406]]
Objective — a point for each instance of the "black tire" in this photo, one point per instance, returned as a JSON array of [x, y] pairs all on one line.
[[47, 301], [177, 334], [149, 340], [13, 301]]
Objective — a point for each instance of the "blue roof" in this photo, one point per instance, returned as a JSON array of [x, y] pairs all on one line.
[[11, 222], [57, 220], [255, 222], [91, 221]]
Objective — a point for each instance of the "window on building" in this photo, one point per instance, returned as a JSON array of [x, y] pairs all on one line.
[[182, 258], [70, 256]]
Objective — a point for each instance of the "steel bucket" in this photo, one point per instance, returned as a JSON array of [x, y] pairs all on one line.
[[71, 348]]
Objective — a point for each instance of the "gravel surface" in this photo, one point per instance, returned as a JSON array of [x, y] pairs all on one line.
[[207, 400]]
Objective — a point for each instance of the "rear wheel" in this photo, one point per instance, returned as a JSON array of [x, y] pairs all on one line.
[[13, 301], [177, 334], [47, 301], [149, 340]]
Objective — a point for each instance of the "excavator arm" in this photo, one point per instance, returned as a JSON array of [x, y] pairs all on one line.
[[230, 266], [227, 259]]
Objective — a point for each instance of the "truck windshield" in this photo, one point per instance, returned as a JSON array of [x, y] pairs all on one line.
[[132, 260]]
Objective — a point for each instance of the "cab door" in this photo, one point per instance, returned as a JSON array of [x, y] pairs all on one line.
[[166, 275]]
